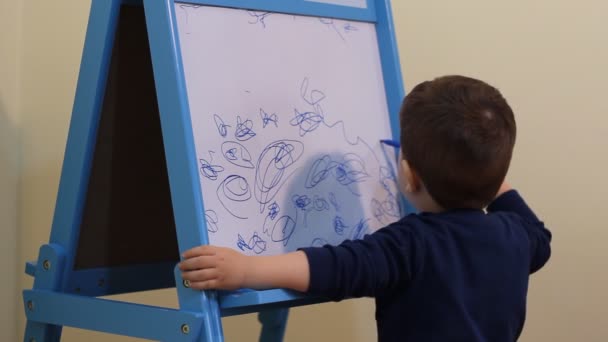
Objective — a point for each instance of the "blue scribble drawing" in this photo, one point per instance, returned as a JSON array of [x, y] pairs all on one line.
[[388, 181], [319, 242], [237, 154], [334, 201], [186, 8], [312, 118], [306, 121], [258, 17], [283, 229], [211, 219], [309, 120], [314, 97], [244, 129], [391, 206], [319, 171], [329, 22], [234, 188], [209, 170], [320, 203], [339, 225], [222, 128], [301, 202], [306, 205], [273, 210], [387, 209], [348, 27], [271, 169], [350, 170], [360, 229], [266, 118], [378, 211], [255, 244]]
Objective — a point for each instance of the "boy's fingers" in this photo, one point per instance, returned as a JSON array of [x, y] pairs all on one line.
[[200, 250], [200, 275], [205, 285], [198, 263]]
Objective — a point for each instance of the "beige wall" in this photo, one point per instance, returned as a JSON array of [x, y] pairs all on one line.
[[9, 166], [548, 58]]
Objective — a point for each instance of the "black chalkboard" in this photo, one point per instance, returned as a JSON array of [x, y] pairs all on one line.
[[128, 215]]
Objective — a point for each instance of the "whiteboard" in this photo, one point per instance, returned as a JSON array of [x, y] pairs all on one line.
[[350, 3], [287, 113]]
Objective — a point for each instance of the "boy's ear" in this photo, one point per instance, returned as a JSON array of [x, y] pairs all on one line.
[[412, 181]]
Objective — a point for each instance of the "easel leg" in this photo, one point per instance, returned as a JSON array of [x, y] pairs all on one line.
[[274, 323], [49, 269], [201, 301], [40, 332]]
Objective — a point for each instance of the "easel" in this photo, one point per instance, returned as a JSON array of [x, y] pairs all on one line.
[[115, 95]]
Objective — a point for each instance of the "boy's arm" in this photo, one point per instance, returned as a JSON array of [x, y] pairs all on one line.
[[210, 267], [509, 200], [373, 265]]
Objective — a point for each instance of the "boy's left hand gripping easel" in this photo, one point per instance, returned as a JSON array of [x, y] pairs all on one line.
[[119, 111]]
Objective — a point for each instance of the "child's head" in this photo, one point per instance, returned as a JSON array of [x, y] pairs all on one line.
[[457, 137]]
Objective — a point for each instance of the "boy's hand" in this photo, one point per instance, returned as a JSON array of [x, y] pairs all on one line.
[[209, 267]]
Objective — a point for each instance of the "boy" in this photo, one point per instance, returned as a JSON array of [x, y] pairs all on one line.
[[450, 273]]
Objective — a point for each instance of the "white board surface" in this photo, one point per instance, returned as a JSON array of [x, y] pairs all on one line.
[[287, 113], [350, 3]]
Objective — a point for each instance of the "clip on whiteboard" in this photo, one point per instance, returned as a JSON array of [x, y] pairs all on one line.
[[178, 139]]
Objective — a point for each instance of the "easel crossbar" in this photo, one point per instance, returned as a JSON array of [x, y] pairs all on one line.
[[110, 316]]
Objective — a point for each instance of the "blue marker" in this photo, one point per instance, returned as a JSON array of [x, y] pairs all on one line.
[[390, 142]]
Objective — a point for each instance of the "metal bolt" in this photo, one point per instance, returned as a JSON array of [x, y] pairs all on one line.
[[187, 283], [185, 329], [30, 305], [46, 265]]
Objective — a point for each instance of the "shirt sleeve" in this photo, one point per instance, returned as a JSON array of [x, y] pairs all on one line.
[[377, 263], [539, 236]]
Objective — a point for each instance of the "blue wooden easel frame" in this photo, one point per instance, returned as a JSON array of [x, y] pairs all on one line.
[[53, 301]]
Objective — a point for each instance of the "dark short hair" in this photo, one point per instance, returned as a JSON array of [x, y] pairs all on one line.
[[458, 134]]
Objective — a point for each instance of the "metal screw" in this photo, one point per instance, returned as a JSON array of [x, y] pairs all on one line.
[[187, 283], [46, 265], [30, 305], [185, 329]]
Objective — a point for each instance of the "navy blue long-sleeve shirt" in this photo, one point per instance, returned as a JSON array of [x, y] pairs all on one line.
[[459, 275]]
